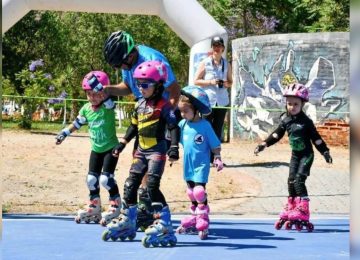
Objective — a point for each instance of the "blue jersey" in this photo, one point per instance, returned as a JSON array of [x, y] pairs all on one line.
[[198, 139], [147, 54]]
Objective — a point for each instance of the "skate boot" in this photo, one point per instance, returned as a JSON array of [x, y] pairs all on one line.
[[161, 231], [122, 227], [144, 211], [202, 220], [300, 216], [289, 206], [112, 212], [188, 223], [91, 212]]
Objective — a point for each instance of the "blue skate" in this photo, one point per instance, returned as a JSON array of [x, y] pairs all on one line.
[[161, 231], [122, 227]]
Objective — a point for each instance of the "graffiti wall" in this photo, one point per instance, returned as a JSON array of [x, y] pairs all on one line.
[[263, 65]]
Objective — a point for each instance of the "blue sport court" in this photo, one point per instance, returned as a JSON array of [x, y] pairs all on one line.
[[55, 237]]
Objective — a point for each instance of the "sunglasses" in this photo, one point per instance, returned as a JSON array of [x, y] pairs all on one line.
[[145, 85]]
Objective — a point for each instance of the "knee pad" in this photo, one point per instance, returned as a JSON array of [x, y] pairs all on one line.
[[107, 180], [153, 183], [92, 181], [190, 193], [199, 194], [300, 185], [131, 185]]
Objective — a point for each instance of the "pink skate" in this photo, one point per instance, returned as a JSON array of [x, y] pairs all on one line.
[[289, 206], [300, 216], [202, 220], [188, 223]]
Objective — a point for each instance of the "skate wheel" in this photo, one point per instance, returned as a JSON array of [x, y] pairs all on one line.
[[179, 230], [278, 225], [203, 234], [145, 241], [310, 227], [173, 241], [77, 220], [163, 243], [298, 226], [132, 236], [97, 219], [288, 225], [106, 235], [87, 221], [155, 243]]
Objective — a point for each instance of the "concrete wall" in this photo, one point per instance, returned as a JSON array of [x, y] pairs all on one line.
[[263, 65]]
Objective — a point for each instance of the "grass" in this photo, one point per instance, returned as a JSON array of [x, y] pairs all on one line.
[[6, 207]]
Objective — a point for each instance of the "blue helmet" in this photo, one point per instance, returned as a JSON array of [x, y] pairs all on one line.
[[198, 98]]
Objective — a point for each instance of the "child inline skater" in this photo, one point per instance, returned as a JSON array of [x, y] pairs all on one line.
[[99, 115], [151, 116], [198, 139], [302, 133]]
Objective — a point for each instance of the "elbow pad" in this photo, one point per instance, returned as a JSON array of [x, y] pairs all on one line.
[[131, 132], [79, 122], [275, 136]]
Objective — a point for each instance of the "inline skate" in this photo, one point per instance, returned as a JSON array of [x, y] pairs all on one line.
[[91, 212], [202, 220], [122, 227], [300, 216], [144, 211], [112, 212], [188, 223], [284, 214], [161, 231]]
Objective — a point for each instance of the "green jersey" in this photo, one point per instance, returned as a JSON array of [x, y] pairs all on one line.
[[102, 128]]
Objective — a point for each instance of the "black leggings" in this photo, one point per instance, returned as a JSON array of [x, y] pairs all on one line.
[[107, 163], [299, 171]]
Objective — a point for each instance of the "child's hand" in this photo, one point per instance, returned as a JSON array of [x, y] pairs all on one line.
[[219, 165], [95, 84], [173, 153], [327, 157], [61, 137], [118, 149], [259, 148]]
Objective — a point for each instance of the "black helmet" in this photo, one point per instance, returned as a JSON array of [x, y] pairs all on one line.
[[217, 40], [117, 47]]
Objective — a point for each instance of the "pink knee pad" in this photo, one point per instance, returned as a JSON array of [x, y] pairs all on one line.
[[190, 193], [199, 194]]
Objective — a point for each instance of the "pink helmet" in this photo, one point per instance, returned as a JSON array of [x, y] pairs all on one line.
[[297, 90], [100, 75], [151, 70]]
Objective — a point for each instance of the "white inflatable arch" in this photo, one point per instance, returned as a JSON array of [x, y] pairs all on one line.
[[187, 18]]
